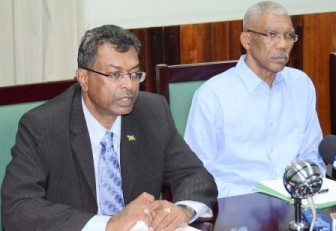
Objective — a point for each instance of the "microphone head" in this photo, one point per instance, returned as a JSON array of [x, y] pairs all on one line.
[[302, 178], [327, 148]]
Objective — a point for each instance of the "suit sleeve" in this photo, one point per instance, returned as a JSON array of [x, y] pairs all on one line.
[[24, 203]]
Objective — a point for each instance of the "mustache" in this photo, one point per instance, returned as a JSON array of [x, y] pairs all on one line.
[[281, 55], [127, 93]]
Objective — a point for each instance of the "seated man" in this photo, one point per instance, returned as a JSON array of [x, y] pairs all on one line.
[[248, 123], [97, 156]]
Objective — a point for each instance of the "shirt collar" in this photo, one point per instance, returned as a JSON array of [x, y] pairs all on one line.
[[96, 130], [250, 79]]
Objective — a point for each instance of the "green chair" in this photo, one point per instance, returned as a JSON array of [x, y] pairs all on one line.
[[179, 82], [14, 102], [180, 98], [9, 117]]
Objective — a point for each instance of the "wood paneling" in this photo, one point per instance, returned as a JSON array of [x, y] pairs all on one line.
[[333, 31], [159, 45], [296, 56], [211, 42], [196, 43], [220, 41], [317, 44], [33, 92], [236, 49], [333, 91]]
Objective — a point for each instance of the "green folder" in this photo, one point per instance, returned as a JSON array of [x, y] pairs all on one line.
[[276, 189]]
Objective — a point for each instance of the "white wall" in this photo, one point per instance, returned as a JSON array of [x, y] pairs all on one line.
[[152, 13]]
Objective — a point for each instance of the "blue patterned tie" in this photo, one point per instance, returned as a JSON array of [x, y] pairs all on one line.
[[110, 191]]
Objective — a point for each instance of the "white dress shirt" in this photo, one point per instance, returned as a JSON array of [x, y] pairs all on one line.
[[245, 132]]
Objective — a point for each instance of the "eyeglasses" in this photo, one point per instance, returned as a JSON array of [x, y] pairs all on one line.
[[276, 36], [119, 76]]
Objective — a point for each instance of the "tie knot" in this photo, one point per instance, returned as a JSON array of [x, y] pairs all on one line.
[[107, 139]]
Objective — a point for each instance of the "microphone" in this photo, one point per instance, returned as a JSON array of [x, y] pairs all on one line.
[[302, 178], [327, 149]]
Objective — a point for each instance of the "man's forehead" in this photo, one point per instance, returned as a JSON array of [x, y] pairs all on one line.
[[117, 60], [276, 22]]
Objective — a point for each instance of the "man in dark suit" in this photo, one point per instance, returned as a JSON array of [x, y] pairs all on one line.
[[53, 180]]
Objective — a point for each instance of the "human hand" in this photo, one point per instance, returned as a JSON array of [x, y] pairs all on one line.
[[138, 210], [168, 216]]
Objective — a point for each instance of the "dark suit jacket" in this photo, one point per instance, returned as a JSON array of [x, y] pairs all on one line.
[[50, 183]]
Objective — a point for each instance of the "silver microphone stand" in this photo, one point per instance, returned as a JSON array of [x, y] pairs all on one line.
[[297, 224], [301, 179]]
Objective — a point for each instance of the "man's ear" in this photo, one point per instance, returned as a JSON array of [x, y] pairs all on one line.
[[245, 40], [82, 78]]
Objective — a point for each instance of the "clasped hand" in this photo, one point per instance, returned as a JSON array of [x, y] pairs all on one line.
[[159, 215]]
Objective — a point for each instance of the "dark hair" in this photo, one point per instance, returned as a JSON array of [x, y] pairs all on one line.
[[92, 39]]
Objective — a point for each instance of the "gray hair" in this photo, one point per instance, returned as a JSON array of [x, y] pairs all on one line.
[[92, 39], [253, 13]]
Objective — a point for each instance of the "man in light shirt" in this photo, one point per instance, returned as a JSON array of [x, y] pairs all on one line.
[[248, 123], [52, 181]]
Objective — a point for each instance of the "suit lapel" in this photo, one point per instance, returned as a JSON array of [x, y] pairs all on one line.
[[81, 143], [129, 149]]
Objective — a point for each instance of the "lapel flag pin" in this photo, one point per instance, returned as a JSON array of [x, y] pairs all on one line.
[[131, 137]]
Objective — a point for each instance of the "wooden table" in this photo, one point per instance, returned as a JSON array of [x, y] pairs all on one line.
[[256, 212]]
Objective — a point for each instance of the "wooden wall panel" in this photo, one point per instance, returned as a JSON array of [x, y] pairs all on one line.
[[296, 56], [225, 38], [220, 42], [144, 58], [333, 31], [196, 43], [236, 49], [171, 45], [159, 45], [317, 44], [154, 42], [332, 72], [211, 42]]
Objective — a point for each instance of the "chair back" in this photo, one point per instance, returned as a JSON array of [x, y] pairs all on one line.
[[9, 117], [177, 83]]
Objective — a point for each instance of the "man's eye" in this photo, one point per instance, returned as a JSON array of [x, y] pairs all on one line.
[[291, 35], [134, 75], [117, 75], [272, 34]]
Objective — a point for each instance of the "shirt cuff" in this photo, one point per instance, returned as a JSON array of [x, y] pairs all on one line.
[[201, 209], [96, 223]]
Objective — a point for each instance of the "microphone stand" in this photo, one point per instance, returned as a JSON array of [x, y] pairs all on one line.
[[301, 179], [298, 224]]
